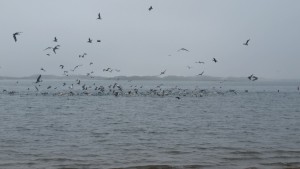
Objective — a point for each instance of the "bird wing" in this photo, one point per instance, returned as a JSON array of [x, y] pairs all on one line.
[[15, 38]]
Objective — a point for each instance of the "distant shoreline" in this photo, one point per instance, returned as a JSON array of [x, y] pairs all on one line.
[[153, 78]]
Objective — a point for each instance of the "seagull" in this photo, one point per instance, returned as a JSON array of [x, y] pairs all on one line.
[[61, 66], [99, 16], [55, 48], [163, 72], [199, 62], [90, 40], [200, 74], [55, 39], [250, 77], [150, 8], [183, 49], [82, 56], [246, 43], [48, 48], [43, 69], [98, 40], [15, 35], [215, 60], [38, 79], [108, 69], [177, 97], [76, 67]]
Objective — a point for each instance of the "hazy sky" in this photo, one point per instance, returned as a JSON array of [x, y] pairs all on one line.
[[142, 42]]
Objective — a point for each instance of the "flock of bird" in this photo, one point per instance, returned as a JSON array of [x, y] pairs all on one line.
[[117, 89]]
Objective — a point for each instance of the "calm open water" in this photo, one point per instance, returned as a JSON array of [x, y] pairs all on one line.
[[216, 129]]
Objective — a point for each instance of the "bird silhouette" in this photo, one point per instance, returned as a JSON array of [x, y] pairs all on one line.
[[200, 74], [90, 40], [99, 16], [199, 62], [150, 8], [163, 72], [38, 79], [182, 49], [55, 48], [55, 39], [250, 77], [215, 60], [15, 35], [61, 66], [246, 43]]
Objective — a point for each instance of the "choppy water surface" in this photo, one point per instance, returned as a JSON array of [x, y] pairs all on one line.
[[210, 126]]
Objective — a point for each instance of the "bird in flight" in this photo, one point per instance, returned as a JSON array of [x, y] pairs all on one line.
[[38, 79], [163, 72], [90, 40], [182, 49], [246, 43], [61, 66], [150, 8], [252, 77], [55, 39], [82, 56], [215, 60], [76, 67], [55, 48], [200, 74], [98, 40], [43, 69], [199, 62], [15, 35], [99, 16]]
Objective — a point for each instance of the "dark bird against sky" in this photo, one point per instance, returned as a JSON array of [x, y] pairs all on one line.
[[15, 35]]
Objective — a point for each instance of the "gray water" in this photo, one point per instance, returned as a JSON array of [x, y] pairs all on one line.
[[217, 128]]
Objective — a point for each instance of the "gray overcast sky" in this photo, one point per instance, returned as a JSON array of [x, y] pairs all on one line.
[[142, 42]]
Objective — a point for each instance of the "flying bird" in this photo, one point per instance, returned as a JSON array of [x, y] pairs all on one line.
[[55, 39], [163, 72], [48, 48], [250, 77], [15, 35], [38, 79], [182, 49], [246, 43], [90, 40], [215, 60], [150, 8], [199, 62], [55, 48], [200, 74], [98, 40], [99, 16], [61, 66], [82, 56], [76, 67], [43, 69]]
